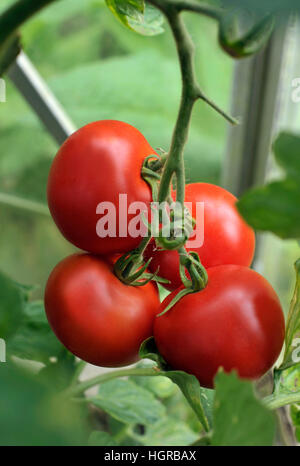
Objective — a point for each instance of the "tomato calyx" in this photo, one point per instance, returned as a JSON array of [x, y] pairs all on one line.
[[193, 276], [151, 171], [180, 224], [131, 268], [173, 227]]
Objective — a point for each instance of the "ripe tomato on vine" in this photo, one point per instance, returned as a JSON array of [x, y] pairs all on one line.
[[235, 323], [92, 168], [98, 318]]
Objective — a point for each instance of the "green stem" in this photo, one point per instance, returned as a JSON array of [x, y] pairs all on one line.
[[78, 371], [12, 18], [83, 386], [277, 401], [185, 50], [191, 91]]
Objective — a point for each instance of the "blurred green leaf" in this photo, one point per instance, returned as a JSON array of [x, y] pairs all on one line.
[[239, 418], [34, 339], [167, 432], [127, 402], [30, 414], [131, 8], [59, 373], [12, 301], [101, 439], [200, 399], [274, 207], [151, 24], [140, 17], [287, 153], [292, 333]]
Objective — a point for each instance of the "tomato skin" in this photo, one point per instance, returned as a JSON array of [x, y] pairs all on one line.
[[98, 318], [96, 164], [227, 238], [236, 322]]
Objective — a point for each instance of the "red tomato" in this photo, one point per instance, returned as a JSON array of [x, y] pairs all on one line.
[[97, 317], [227, 238], [236, 322], [96, 164]]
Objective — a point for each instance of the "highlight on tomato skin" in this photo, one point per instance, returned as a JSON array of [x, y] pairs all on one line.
[[236, 322], [98, 318], [227, 238]]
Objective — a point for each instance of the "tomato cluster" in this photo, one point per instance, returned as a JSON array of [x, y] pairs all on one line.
[[235, 322]]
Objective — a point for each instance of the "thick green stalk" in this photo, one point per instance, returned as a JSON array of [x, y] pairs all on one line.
[[190, 89], [12, 18], [83, 386], [276, 401], [175, 164]]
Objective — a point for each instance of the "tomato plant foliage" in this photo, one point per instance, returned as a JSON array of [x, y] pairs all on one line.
[[138, 16], [275, 206]]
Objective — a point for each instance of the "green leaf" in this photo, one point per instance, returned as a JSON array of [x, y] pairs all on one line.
[[200, 399], [167, 432], [274, 207], [239, 418], [124, 9], [31, 414], [135, 15], [59, 374], [129, 403], [101, 439], [11, 306], [131, 8], [287, 153], [34, 339], [292, 334], [151, 23], [9, 51]]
